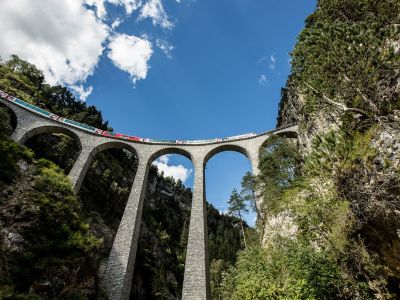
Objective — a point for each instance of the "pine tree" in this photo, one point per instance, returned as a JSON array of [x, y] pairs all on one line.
[[248, 192], [237, 207]]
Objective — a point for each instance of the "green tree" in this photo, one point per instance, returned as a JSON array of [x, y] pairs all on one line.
[[237, 206], [279, 168], [249, 190]]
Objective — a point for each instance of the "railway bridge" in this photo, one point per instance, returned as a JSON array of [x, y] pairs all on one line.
[[118, 274]]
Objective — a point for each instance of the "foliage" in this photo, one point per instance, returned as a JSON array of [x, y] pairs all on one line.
[[161, 252], [53, 235], [237, 206], [23, 80], [107, 184], [347, 53], [248, 192], [293, 271], [58, 148], [162, 243], [5, 122], [346, 192], [218, 270], [10, 152], [279, 168], [63, 237], [60, 229], [224, 238]]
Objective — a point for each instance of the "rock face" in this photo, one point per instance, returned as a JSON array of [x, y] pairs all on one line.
[[371, 185], [31, 261], [290, 106], [291, 110], [281, 225]]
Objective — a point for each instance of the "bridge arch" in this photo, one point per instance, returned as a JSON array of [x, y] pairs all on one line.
[[223, 148], [170, 150], [56, 143], [289, 133], [113, 145], [84, 161], [49, 129]]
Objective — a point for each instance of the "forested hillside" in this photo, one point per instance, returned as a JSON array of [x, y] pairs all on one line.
[[329, 222], [53, 244], [330, 225]]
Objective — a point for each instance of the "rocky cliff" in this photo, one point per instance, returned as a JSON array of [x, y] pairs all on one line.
[[344, 92]]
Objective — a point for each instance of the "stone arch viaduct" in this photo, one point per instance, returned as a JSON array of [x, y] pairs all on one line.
[[119, 270]]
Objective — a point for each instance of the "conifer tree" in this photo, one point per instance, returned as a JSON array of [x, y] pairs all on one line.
[[237, 206]]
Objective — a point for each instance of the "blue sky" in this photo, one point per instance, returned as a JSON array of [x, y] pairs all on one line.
[[188, 69]]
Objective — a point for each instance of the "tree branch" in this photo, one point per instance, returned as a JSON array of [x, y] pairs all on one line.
[[337, 104]]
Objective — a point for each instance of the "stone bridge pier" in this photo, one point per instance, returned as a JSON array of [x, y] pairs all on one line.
[[120, 266]]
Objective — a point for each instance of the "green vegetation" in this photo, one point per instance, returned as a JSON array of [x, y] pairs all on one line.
[[163, 239], [53, 242], [328, 223], [237, 207], [23, 80], [347, 52], [41, 223], [162, 244], [330, 201]]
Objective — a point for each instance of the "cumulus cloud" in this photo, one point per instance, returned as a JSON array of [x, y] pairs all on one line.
[[178, 171], [165, 47], [154, 10], [82, 92], [65, 38], [62, 38], [262, 80], [130, 54], [99, 6]]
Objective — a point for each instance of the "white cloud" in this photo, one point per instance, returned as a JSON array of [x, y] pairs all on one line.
[[262, 80], [99, 5], [164, 159], [154, 10], [165, 47], [62, 38], [81, 92], [129, 5], [65, 38], [101, 12], [116, 23], [178, 171], [272, 63], [130, 54]]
